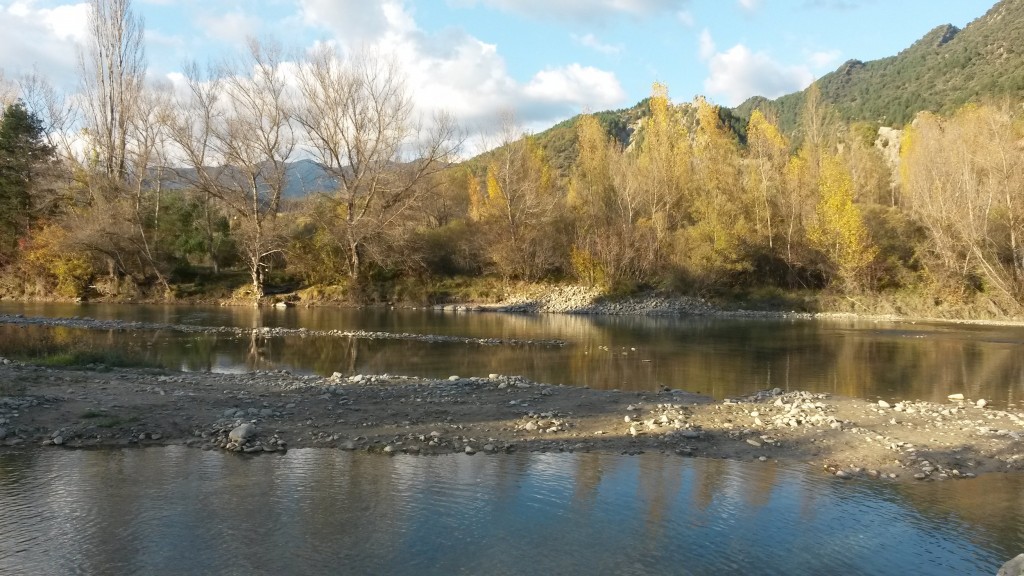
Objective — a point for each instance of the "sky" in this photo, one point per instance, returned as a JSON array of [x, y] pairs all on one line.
[[542, 60]]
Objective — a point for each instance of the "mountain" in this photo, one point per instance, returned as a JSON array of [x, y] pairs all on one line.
[[941, 72], [302, 178]]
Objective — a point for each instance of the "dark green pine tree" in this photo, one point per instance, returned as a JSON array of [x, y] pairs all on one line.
[[24, 154]]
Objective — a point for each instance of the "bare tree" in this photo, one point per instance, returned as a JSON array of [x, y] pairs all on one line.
[[235, 136], [360, 124], [113, 67], [57, 112]]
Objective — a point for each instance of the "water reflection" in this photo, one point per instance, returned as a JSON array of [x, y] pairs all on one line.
[[719, 357], [176, 510]]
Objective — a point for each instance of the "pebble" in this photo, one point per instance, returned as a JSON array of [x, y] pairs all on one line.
[[389, 449], [470, 450], [981, 403], [883, 404], [955, 396]]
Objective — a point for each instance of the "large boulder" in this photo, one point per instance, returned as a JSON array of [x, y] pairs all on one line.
[[242, 433], [1014, 567]]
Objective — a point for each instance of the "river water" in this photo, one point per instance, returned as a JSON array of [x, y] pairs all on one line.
[[719, 357], [176, 510]]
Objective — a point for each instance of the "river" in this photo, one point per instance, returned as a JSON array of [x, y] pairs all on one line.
[[183, 511], [720, 357], [175, 510]]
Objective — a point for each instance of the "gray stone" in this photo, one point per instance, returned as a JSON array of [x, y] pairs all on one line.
[[470, 450], [58, 440], [454, 378], [981, 403], [883, 404], [389, 449], [1014, 567], [266, 413], [242, 433], [229, 413]]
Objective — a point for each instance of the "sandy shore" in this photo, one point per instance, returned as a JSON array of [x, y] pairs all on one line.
[[269, 412]]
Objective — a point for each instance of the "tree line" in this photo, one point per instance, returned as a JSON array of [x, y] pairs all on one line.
[[134, 186]]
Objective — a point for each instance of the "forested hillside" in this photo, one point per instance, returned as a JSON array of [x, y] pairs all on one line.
[[941, 72]]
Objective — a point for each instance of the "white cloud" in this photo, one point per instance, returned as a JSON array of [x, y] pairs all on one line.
[[354, 21], [686, 17], [707, 45], [750, 5], [454, 71], [583, 86], [824, 58], [43, 39], [739, 73], [233, 28], [580, 10], [594, 43]]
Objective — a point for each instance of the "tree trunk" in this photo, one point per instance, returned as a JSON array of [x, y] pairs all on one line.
[[256, 272]]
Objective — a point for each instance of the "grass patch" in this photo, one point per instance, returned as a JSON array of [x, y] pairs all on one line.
[[95, 359], [101, 419], [66, 348], [116, 421]]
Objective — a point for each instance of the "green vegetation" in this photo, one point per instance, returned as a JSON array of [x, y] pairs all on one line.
[[61, 348], [104, 420], [941, 72]]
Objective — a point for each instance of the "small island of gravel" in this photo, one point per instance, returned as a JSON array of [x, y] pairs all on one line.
[[263, 413]]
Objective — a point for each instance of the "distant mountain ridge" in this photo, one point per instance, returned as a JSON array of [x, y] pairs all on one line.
[[941, 72], [947, 68], [302, 178]]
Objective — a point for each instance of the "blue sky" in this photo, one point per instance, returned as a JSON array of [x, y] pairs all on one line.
[[543, 60]]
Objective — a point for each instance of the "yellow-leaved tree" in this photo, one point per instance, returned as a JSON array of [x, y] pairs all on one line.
[[769, 156], [962, 179], [711, 246], [663, 165], [838, 230], [519, 209]]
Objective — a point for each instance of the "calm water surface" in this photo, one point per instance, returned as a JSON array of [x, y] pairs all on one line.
[[715, 356], [182, 511]]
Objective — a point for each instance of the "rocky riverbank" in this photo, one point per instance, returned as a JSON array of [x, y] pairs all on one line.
[[269, 412], [584, 300]]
